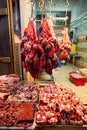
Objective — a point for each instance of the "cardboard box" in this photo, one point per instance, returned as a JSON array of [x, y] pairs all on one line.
[[83, 72]]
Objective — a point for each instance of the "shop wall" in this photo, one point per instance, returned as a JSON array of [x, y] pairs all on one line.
[[57, 9], [79, 23], [52, 8], [25, 13], [79, 9]]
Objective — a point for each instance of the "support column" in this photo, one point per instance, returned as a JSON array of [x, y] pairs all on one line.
[[25, 13]]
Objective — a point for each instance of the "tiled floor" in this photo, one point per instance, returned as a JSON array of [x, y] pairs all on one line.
[[61, 76]]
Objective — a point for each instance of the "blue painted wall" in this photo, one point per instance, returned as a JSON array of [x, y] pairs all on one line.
[[79, 9], [79, 21]]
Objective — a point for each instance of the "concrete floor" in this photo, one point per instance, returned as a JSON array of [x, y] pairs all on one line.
[[61, 76]]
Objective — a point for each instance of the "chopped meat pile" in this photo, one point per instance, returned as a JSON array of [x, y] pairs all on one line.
[[16, 114], [60, 106], [8, 82], [56, 105], [27, 92]]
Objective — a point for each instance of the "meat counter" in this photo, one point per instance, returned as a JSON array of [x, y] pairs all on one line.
[[55, 107]]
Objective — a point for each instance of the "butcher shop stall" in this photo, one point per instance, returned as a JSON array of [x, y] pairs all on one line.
[[43, 64]]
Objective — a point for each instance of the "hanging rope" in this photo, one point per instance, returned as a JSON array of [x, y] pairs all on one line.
[[66, 16], [31, 2], [41, 4], [32, 8], [50, 4], [67, 5], [67, 2]]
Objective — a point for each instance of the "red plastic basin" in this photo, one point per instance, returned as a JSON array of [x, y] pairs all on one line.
[[77, 79]]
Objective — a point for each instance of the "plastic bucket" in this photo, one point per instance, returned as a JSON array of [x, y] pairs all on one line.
[[59, 63]]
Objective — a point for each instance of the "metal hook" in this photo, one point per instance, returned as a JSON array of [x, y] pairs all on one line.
[[50, 1], [41, 4]]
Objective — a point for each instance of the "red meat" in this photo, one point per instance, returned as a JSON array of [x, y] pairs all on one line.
[[48, 67], [42, 61]]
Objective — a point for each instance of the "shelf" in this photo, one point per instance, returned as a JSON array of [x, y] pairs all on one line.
[[62, 127], [3, 11], [5, 60], [56, 27]]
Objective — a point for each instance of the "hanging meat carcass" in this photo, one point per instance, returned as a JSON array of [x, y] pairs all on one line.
[[51, 26], [28, 52], [65, 46], [39, 53], [49, 43]]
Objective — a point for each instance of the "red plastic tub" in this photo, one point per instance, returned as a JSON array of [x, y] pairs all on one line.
[[76, 78]]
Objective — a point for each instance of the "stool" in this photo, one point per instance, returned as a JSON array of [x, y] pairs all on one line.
[[74, 57]]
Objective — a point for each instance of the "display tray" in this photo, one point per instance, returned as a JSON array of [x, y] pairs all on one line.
[[44, 83], [11, 128], [48, 127], [37, 126], [17, 115], [61, 127]]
